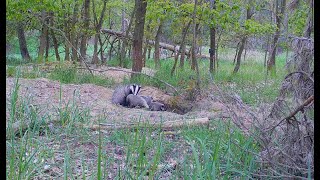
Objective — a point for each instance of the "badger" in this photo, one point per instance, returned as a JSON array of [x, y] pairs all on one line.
[[157, 106], [149, 99], [121, 92], [136, 101]]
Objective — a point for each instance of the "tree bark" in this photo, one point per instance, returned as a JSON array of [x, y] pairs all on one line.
[[54, 39], [236, 68], [22, 42], [156, 47], [125, 41], [43, 37], [184, 34], [73, 38], [243, 40], [141, 7], [86, 21], [272, 58], [66, 31], [95, 58], [194, 45], [212, 49]]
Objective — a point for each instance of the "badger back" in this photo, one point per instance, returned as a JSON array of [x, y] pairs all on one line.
[[119, 95], [148, 99], [135, 100]]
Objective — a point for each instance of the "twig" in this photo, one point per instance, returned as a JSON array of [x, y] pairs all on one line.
[[292, 114]]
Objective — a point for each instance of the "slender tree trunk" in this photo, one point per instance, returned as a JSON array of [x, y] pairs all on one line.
[[86, 21], [194, 49], [73, 32], [236, 68], [183, 45], [43, 37], [125, 40], [217, 49], [66, 31], [111, 47], [184, 34], [144, 55], [272, 57], [156, 47], [22, 42], [212, 42], [95, 58], [141, 7], [54, 39], [194, 44], [235, 56], [212, 50], [243, 40]]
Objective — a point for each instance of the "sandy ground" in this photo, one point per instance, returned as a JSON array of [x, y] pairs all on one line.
[[45, 95]]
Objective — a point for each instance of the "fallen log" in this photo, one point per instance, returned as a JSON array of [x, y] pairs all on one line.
[[167, 125]]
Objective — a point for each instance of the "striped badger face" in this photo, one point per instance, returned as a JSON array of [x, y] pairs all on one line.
[[135, 89]]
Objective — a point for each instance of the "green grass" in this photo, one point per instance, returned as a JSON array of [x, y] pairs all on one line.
[[200, 153]]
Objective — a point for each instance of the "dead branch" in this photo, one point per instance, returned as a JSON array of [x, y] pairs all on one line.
[[167, 125], [292, 114]]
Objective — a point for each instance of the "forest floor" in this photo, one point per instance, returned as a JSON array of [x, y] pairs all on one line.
[[93, 103], [48, 95]]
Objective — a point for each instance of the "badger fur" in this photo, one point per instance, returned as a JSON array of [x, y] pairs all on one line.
[[136, 101], [149, 99], [121, 92], [157, 106]]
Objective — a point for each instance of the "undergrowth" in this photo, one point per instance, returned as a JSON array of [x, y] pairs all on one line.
[[58, 146]]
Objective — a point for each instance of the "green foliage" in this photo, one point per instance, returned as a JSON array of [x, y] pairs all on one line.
[[298, 19]]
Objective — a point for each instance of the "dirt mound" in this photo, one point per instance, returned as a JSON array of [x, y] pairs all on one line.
[[45, 95]]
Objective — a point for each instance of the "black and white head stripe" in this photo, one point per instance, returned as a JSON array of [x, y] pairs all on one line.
[[135, 89]]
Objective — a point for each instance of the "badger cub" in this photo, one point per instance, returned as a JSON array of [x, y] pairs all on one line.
[[149, 99], [156, 106], [121, 92], [136, 101]]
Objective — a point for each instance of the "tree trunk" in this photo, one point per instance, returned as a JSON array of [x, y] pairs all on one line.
[[235, 56], [156, 47], [95, 58], [73, 32], [54, 39], [144, 55], [243, 40], [194, 48], [184, 33], [86, 21], [22, 42], [141, 7], [194, 44], [43, 37], [111, 48], [236, 68], [125, 41], [272, 57], [212, 50], [66, 32]]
